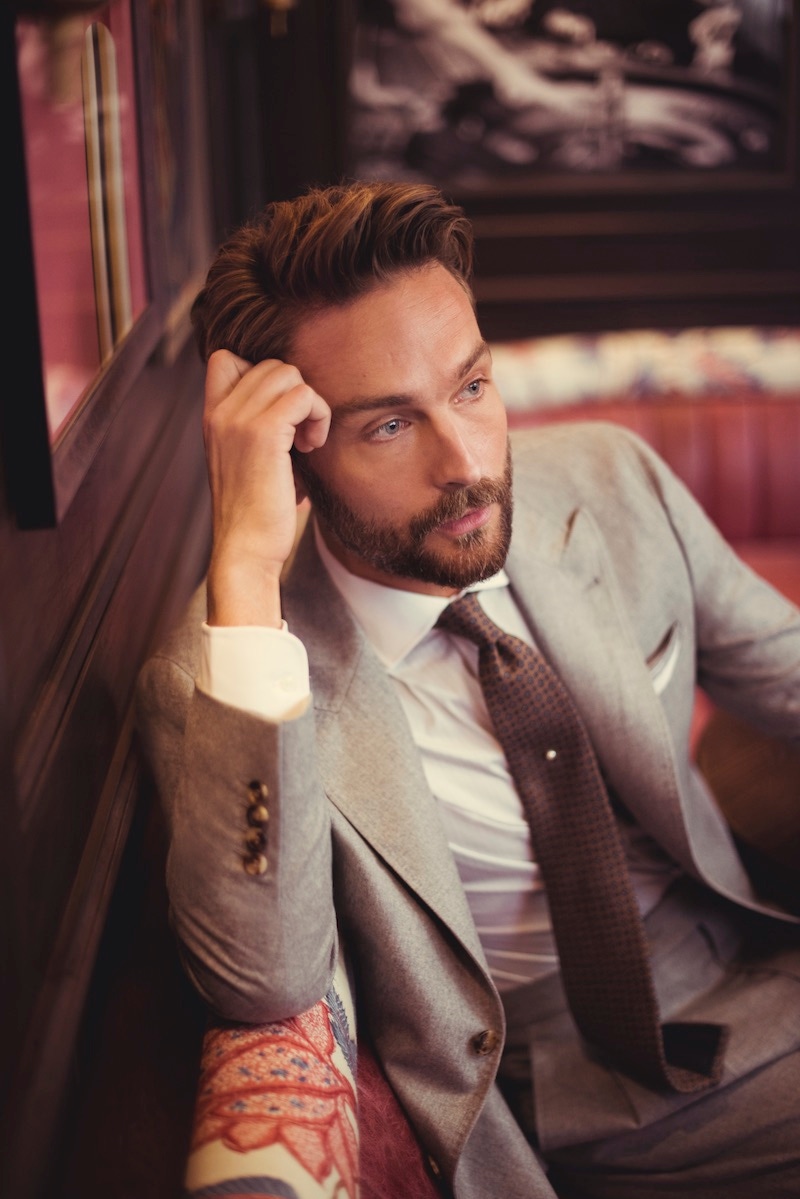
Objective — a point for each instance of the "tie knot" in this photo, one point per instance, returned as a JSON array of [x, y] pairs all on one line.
[[466, 617]]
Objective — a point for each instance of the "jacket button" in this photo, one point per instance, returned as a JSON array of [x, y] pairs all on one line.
[[485, 1042]]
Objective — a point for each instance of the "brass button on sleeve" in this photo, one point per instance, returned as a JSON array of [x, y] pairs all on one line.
[[255, 839], [255, 863], [485, 1042]]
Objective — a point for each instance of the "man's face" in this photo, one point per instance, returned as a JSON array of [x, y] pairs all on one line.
[[413, 485]]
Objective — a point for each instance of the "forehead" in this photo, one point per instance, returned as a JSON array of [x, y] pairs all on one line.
[[407, 335]]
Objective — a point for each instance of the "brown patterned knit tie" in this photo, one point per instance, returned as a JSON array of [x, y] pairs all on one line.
[[598, 929]]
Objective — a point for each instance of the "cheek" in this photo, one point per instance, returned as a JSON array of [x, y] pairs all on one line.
[[388, 492], [494, 447], [345, 475], [492, 427]]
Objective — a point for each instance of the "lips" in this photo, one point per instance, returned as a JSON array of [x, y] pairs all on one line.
[[474, 519]]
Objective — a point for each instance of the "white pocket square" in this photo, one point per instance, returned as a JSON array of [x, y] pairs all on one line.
[[662, 661]]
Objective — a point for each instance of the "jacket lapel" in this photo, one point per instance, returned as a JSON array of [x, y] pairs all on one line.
[[366, 757], [562, 584], [567, 593]]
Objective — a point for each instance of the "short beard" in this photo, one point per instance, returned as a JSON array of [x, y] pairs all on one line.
[[403, 552]]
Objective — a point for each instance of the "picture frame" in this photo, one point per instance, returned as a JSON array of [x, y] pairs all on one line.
[[639, 191], [516, 96]]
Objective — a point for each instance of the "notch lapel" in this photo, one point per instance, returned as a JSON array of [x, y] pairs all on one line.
[[369, 766]]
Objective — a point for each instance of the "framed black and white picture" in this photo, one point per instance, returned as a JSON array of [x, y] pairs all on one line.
[[488, 95]]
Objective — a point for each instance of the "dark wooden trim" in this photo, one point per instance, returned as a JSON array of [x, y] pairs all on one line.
[[39, 744], [549, 288], [37, 1094], [495, 226], [505, 319], [83, 434]]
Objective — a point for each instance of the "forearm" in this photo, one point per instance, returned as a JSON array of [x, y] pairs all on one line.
[[259, 946]]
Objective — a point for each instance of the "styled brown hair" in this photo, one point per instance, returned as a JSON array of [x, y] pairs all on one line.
[[325, 247]]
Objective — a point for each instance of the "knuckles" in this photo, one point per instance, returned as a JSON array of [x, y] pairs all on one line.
[[275, 391]]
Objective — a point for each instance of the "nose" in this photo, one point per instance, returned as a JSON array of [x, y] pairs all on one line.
[[455, 456]]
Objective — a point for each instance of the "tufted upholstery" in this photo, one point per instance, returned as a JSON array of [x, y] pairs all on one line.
[[738, 455]]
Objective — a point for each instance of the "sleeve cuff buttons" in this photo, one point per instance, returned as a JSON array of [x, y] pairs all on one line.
[[255, 841]]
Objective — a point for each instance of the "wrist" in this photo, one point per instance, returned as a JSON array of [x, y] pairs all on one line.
[[243, 591]]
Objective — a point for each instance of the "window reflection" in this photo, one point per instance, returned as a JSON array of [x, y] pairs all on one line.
[[79, 118]]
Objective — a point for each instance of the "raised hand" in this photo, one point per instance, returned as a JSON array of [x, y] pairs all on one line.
[[253, 416]]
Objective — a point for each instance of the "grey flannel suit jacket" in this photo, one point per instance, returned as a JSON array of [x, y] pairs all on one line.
[[634, 597]]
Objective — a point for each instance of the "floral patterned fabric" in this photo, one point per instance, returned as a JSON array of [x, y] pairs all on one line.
[[275, 1116]]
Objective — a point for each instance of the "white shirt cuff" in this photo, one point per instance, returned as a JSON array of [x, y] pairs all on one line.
[[261, 670]]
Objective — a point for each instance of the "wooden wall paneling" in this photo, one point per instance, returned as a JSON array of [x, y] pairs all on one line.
[[733, 261], [83, 600], [72, 755], [509, 312], [136, 1065], [304, 77], [276, 111], [74, 778], [235, 120], [38, 1090], [10, 917], [58, 569]]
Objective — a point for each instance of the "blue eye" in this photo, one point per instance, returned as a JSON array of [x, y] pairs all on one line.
[[474, 389], [388, 430]]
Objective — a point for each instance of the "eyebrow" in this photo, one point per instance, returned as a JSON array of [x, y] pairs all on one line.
[[403, 400]]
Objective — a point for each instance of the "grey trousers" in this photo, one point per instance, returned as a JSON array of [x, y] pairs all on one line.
[[603, 1135]]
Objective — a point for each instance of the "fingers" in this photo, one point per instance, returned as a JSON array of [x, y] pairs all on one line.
[[241, 394], [223, 372], [312, 432]]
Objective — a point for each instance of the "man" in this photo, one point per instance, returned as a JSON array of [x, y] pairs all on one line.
[[345, 364]]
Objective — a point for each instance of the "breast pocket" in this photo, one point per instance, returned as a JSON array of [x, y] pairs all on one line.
[[662, 661]]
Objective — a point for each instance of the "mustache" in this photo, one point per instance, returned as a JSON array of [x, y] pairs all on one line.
[[453, 505]]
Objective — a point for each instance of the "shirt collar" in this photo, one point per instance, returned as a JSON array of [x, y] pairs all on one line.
[[394, 621]]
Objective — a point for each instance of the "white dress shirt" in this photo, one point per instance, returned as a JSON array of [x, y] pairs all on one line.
[[435, 675]]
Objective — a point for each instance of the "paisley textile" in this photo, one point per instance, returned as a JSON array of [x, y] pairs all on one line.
[[285, 1086]]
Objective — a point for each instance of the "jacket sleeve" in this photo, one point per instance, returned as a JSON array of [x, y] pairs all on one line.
[[258, 946]]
